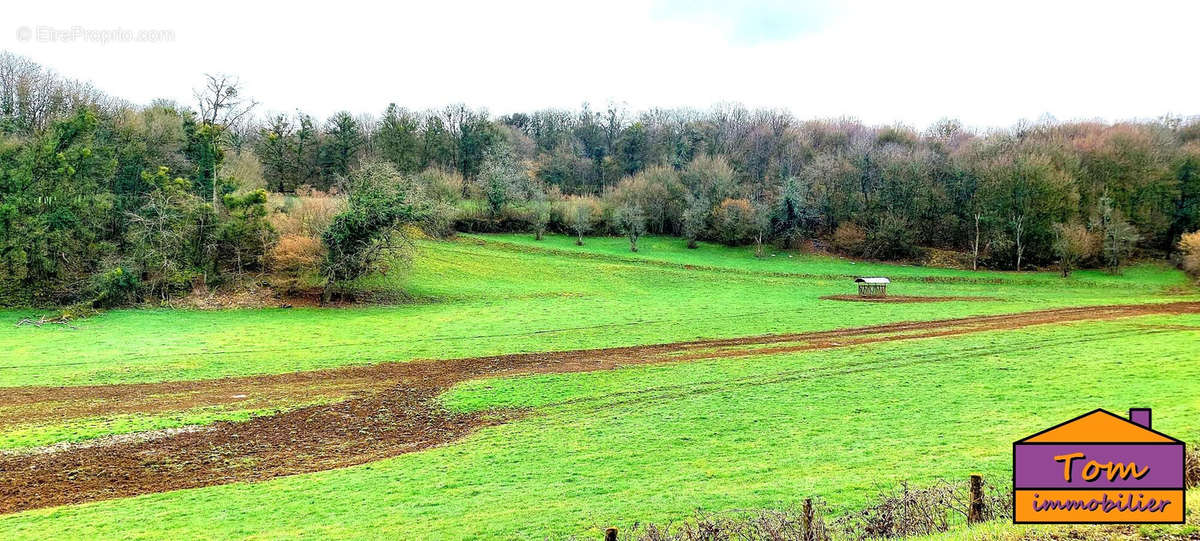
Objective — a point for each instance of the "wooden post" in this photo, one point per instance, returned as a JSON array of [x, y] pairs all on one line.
[[975, 503], [610, 534], [809, 533]]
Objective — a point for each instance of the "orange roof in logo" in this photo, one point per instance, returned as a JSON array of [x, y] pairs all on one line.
[[1098, 426]]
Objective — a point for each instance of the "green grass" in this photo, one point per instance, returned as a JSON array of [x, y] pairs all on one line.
[[481, 299], [708, 255], [652, 443], [37, 434], [643, 443], [79, 430]]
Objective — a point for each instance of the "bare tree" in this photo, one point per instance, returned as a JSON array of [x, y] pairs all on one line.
[[975, 246], [1072, 243], [223, 109], [221, 101], [32, 95], [1018, 223]]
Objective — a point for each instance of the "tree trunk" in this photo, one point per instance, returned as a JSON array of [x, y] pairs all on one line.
[[214, 173], [975, 250], [1020, 225], [327, 293]]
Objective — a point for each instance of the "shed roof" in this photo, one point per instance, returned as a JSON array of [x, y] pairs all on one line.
[[872, 280]]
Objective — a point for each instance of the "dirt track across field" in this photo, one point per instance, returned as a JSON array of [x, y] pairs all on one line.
[[392, 409]]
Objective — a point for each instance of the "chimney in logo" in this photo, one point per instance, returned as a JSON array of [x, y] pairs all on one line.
[[1140, 417]]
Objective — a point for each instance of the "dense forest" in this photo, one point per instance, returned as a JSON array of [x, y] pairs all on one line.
[[108, 203]]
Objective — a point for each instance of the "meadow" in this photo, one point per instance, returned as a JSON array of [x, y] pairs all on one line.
[[644, 442]]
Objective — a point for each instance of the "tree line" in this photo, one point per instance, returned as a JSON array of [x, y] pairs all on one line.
[[107, 202]]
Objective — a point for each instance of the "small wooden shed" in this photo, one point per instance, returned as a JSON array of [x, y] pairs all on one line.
[[872, 286]]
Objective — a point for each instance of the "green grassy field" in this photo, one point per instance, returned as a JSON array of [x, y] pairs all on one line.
[[642, 443], [655, 442], [504, 297]]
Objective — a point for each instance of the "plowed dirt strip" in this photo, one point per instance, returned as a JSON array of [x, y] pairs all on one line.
[[398, 414]]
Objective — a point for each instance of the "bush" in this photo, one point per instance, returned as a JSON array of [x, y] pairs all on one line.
[[734, 221], [580, 214], [710, 177], [632, 223], [246, 234], [380, 200], [695, 219], [768, 524], [657, 191], [1189, 248], [849, 239], [294, 254], [892, 238], [1073, 243], [539, 218], [909, 511], [1191, 467], [307, 213], [117, 287]]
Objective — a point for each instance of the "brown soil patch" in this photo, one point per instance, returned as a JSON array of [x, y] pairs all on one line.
[[903, 298], [398, 411]]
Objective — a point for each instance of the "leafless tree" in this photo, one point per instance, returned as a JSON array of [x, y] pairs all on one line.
[[31, 95], [223, 109], [221, 102], [1018, 223], [975, 245]]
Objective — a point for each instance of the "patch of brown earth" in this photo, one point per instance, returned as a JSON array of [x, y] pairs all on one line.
[[903, 298], [399, 412]]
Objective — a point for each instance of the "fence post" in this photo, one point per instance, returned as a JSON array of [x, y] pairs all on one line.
[[975, 505], [809, 533], [610, 534]]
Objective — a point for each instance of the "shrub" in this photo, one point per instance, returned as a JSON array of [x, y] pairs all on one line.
[[539, 218], [380, 200], [892, 238], [246, 234], [632, 222], [245, 169], [709, 177], [443, 190], [734, 221], [1072, 244], [909, 511], [295, 254], [768, 524], [1189, 247], [849, 239], [657, 191], [1191, 467], [117, 287], [579, 214], [441, 185], [695, 219], [307, 213]]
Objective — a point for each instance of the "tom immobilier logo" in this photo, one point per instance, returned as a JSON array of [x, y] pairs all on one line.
[[1099, 468]]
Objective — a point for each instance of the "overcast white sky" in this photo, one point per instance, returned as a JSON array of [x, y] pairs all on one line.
[[988, 63]]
